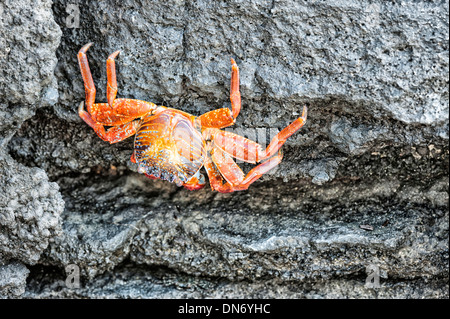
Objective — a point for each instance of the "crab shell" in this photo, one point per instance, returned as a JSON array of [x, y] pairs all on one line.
[[168, 146]]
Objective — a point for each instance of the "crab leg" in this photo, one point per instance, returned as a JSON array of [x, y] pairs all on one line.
[[119, 113], [89, 86], [278, 141], [247, 150], [111, 87], [114, 134], [221, 166], [218, 118], [235, 95], [224, 117]]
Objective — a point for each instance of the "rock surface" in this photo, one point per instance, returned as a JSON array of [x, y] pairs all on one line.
[[12, 280], [30, 205], [29, 37], [363, 184], [30, 209]]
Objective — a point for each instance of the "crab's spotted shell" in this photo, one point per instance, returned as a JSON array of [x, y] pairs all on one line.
[[167, 146]]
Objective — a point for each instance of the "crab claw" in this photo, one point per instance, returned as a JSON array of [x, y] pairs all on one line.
[[81, 107], [196, 182], [86, 47]]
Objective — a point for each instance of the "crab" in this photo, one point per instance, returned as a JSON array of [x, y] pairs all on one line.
[[173, 145]]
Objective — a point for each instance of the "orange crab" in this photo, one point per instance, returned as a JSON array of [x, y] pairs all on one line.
[[173, 145]]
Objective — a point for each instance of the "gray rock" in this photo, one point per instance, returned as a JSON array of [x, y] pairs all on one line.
[[134, 281], [29, 37], [30, 208], [379, 54], [12, 280], [13, 118], [354, 140], [380, 57], [292, 235], [91, 246]]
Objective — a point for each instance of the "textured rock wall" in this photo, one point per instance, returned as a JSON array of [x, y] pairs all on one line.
[[30, 205], [363, 184]]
